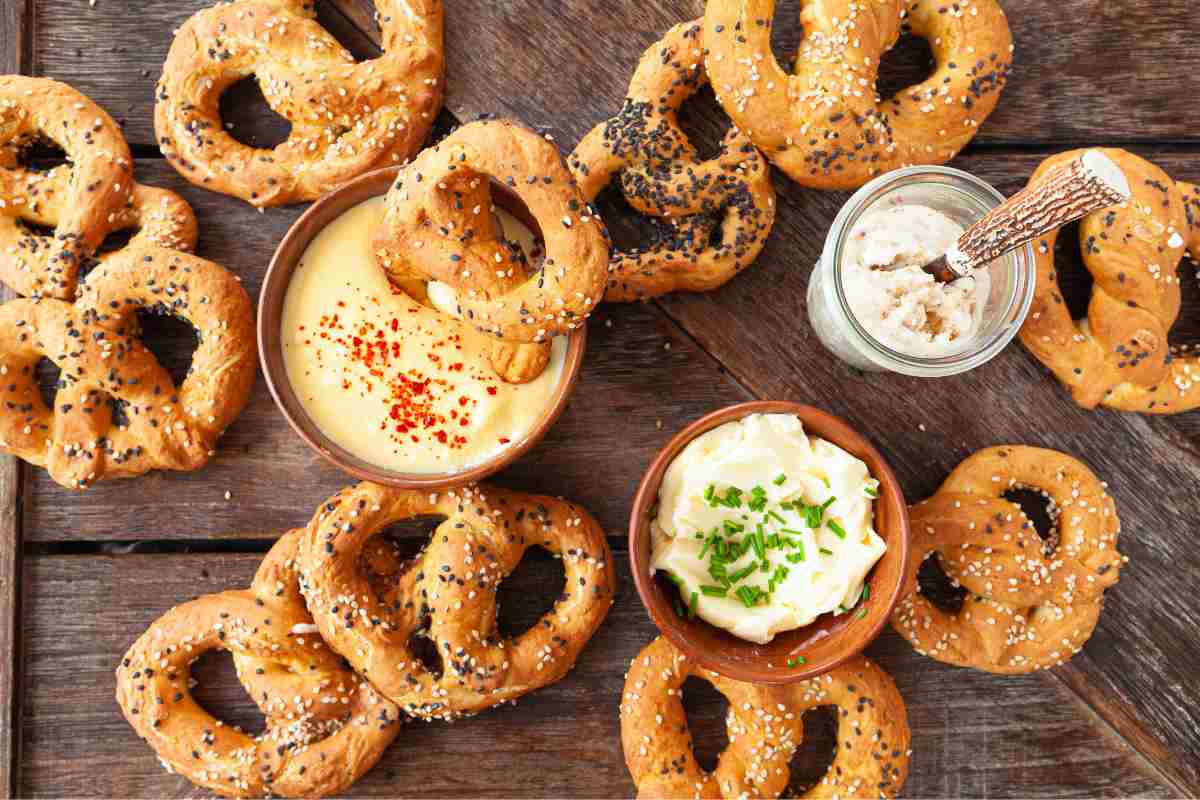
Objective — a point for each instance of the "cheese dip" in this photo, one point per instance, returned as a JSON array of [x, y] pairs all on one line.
[[764, 528], [401, 385]]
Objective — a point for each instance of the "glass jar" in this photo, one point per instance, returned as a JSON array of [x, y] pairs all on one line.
[[961, 197]]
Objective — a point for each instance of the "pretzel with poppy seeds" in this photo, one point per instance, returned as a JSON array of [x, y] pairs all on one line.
[[1030, 604], [1121, 357], [446, 598], [325, 726], [439, 226], [661, 176], [346, 117], [824, 124], [764, 726], [117, 413], [91, 190]]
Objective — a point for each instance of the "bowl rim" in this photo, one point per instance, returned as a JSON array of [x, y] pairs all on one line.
[[639, 527], [288, 252]]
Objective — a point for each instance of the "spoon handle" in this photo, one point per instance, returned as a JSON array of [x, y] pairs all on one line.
[[1064, 194]]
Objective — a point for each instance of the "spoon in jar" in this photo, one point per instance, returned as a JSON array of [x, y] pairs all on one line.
[[1066, 193]]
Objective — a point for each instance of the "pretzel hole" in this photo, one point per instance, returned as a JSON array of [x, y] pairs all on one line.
[[528, 592], [703, 122], [248, 118], [817, 749], [216, 689], [171, 339], [1184, 336], [706, 710], [1074, 280], [424, 649], [41, 154], [1040, 511], [909, 62], [632, 231], [47, 374], [935, 585]]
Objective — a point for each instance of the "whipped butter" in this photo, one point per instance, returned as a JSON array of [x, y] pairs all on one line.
[[764, 528], [902, 307], [403, 386]]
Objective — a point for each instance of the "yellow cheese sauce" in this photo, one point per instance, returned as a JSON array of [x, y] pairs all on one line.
[[403, 386]]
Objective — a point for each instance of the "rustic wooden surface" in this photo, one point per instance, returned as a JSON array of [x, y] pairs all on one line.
[[1120, 720]]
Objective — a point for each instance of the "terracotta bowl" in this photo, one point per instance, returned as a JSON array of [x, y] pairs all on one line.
[[270, 312], [828, 641]]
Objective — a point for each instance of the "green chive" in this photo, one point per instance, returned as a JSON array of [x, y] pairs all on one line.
[[675, 579], [790, 532], [778, 518], [862, 612], [732, 527], [796, 558], [825, 480], [756, 541], [742, 573], [796, 661], [866, 593], [781, 479], [837, 529], [825, 552], [692, 605], [871, 491], [708, 590]]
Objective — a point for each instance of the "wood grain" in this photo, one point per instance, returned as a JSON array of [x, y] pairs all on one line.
[[973, 734], [14, 41]]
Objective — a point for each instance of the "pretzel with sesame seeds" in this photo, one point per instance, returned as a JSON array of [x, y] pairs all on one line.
[[764, 727], [1029, 604], [1120, 357], [438, 226], [325, 726], [106, 372], [661, 176], [825, 124], [91, 189], [447, 595], [346, 117]]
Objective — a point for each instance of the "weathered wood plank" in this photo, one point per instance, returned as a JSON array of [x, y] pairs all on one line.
[[640, 370], [973, 734], [14, 42], [1063, 66]]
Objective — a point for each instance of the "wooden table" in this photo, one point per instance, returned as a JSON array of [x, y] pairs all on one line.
[[82, 574]]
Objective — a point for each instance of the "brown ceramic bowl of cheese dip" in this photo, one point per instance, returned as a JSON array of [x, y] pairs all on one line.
[[384, 387], [794, 653]]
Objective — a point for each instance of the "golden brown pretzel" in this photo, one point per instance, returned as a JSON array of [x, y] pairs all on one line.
[[95, 344], [1121, 357], [661, 176], [438, 226], [325, 726], [1028, 606], [824, 124], [765, 726], [448, 596], [90, 191], [346, 118]]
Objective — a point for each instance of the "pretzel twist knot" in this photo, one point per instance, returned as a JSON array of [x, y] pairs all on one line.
[[825, 124], [346, 118], [439, 227], [1120, 356], [765, 726], [1030, 604], [117, 412], [325, 727], [84, 200], [377, 616], [662, 176]]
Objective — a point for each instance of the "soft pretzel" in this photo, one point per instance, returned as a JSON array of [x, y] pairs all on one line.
[[661, 175], [1028, 606], [438, 226], [107, 373], [346, 118], [325, 726], [448, 596], [90, 191], [825, 124], [765, 726], [1120, 356]]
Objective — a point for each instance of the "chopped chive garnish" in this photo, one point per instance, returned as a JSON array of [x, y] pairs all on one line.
[[825, 480], [710, 494], [837, 529], [742, 573], [866, 593], [780, 479], [825, 552], [732, 527], [675, 579], [776, 517], [692, 605], [796, 558], [756, 541], [790, 532], [708, 590], [703, 550], [796, 661], [871, 491], [862, 612]]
